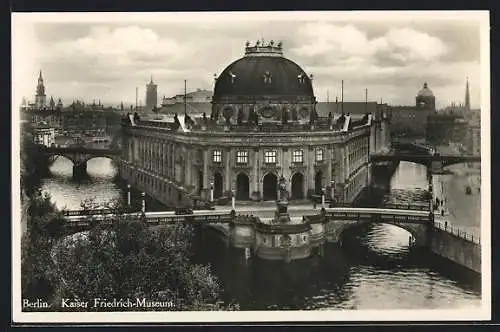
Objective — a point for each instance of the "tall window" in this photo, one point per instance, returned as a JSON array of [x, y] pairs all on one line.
[[298, 156], [242, 157], [217, 156], [270, 157], [320, 155]]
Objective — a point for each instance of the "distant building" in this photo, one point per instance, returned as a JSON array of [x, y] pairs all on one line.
[[151, 95], [44, 134], [261, 125], [412, 120], [198, 96], [456, 124], [445, 128]]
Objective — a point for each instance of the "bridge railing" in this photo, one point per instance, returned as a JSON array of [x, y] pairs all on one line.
[[456, 231], [82, 213], [379, 216], [409, 206], [191, 218]]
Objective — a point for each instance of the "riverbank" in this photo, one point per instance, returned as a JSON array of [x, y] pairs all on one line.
[[464, 210]]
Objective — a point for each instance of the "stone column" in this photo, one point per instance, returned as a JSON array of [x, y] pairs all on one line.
[[286, 161], [158, 156], [348, 161], [329, 158], [372, 147], [162, 156], [205, 169], [227, 170], [255, 175], [310, 170], [189, 166]]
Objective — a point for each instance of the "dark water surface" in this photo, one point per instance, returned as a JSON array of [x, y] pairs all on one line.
[[374, 269]]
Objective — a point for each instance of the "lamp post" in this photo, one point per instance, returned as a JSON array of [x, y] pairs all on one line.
[[323, 190], [233, 200], [143, 195], [128, 195], [211, 191], [332, 184]]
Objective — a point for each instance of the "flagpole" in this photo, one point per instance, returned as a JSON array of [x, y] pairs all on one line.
[[185, 101]]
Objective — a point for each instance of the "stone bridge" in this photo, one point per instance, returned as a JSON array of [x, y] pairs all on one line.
[[435, 162], [416, 222], [79, 155]]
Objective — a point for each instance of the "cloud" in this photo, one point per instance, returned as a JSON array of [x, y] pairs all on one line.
[[109, 60], [341, 42]]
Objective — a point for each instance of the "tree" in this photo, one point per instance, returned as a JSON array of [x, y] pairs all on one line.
[[44, 226], [125, 258]]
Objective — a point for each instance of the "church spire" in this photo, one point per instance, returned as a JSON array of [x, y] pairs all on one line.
[[467, 95], [40, 98]]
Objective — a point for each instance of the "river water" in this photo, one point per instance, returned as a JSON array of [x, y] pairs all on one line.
[[374, 269]]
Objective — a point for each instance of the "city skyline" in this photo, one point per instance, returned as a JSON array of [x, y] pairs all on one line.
[[89, 59]]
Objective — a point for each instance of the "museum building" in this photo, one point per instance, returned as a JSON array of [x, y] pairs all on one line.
[[263, 126]]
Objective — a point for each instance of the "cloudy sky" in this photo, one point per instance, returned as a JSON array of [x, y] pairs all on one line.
[[96, 56]]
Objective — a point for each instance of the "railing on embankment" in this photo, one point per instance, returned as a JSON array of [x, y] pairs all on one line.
[[456, 245]]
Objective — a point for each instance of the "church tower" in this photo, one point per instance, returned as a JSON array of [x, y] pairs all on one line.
[[40, 98], [467, 95], [52, 104], [151, 95]]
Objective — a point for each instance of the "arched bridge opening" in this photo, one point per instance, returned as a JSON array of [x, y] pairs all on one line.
[[415, 222], [382, 245], [336, 229], [80, 155]]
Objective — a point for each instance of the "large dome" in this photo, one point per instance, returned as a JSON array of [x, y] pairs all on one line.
[[263, 71], [425, 91]]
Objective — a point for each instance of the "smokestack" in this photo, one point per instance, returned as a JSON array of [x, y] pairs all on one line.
[[185, 100], [366, 100], [136, 97]]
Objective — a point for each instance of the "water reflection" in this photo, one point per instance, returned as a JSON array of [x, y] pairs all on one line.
[[374, 269], [67, 193]]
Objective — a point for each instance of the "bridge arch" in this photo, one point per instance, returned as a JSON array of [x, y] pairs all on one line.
[[334, 229], [54, 157]]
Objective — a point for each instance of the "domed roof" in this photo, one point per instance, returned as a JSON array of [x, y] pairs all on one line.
[[263, 71], [425, 91]]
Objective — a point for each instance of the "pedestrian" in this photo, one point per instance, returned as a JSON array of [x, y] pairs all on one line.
[[442, 212], [445, 225]]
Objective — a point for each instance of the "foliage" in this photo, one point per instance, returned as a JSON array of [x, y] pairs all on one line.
[[43, 224], [128, 259], [32, 160]]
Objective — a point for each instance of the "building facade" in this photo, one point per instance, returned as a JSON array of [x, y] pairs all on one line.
[[412, 120], [263, 126]]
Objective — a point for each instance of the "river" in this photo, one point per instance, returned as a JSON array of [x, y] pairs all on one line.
[[374, 269]]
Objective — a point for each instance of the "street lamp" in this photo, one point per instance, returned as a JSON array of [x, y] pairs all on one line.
[[332, 184], [233, 199], [211, 191], [128, 195], [323, 190], [143, 195]]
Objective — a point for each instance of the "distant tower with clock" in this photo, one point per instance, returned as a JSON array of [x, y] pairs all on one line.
[[40, 97]]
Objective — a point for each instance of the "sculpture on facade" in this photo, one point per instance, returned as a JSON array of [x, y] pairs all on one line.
[[284, 194]]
